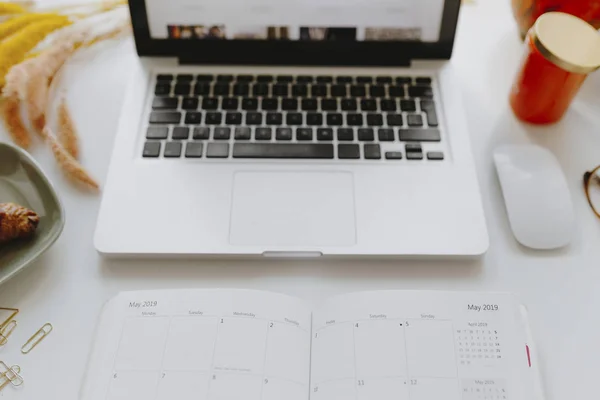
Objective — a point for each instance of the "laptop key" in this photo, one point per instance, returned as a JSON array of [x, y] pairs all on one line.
[[214, 118], [372, 151], [183, 89], [393, 155], [386, 135], [335, 119], [414, 120], [250, 104], [413, 148], [396, 91], [289, 104], [193, 150], [225, 78], [300, 90], [180, 133], [158, 117], [242, 133], [349, 105], [388, 105], [304, 79], [185, 78], [245, 78], [270, 104], [172, 150], [344, 79], [241, 89], [420, 91], [162, 89], [329, 104], [221, 89], [151, 150], [377, 91], [222, 133], [383, 79], [263, 134], [374, 119], [345, 134], [283, 150], [274, 118], [420, 135], [233, 118], [364, 79], [254, 118], [193, 118], [319, 90], [210, 103], [217, 150], [304, 134], [283, 134], [294, 119], [190, 103], [428, 107], [435, 155], [260, 89], [205, 78], [366, 135], [354, 119], [201, 133], [155, 132], [404, 80], [358, 91], [324, 134], [281, 89], [285, 78], [230, 103], [310, 105], [408, 105], [414, 156], [164, 77], [348, 151], [368, 105], [265, 78], [165, 103], [395, 119], [314, 119], [324, 79], [202, 89], [339, 91], [420, 80]]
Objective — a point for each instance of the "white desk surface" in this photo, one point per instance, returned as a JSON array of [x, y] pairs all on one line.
[[70, 283]]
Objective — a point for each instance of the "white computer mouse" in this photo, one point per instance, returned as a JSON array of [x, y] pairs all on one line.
[[536, 194]]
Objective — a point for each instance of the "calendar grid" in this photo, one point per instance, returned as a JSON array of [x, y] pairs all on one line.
[[114, 363], [262, 388], [211, 370], [162, 364]]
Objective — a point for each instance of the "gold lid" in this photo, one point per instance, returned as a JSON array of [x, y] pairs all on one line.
[[567, 41]]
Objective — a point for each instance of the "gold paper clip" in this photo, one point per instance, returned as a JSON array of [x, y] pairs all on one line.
[[6, 331], [36, 338], [4, 380], [11, 374], [14, 312]]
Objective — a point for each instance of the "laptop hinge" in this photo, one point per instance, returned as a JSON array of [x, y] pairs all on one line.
[[345, 59]]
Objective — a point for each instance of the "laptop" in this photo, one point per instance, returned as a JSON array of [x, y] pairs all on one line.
[[275, 128]]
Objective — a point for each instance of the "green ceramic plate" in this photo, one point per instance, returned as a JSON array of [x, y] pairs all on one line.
[[23, 182]]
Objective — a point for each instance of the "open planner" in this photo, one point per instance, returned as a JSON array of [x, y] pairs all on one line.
[[249, 345]]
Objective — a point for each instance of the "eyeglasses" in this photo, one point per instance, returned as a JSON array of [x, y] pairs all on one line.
[[591, 181]]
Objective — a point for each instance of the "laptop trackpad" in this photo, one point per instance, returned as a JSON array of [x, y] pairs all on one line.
[[299, 209]]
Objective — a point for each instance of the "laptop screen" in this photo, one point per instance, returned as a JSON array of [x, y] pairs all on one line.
[[294, 20]]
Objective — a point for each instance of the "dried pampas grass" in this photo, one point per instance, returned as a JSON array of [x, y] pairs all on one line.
[[70, 167], [67, 133], [11, 110]]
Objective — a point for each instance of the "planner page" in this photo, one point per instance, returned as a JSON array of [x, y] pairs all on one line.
[[421, 346], [201, 344]]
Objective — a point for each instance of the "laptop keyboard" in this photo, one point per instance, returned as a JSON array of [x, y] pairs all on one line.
[[292, 117]]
